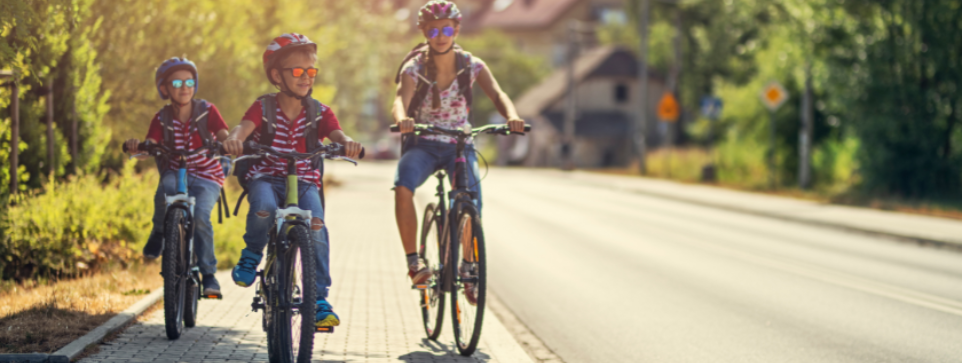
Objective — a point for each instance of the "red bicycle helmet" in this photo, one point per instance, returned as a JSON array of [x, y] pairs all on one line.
[[282, 45]]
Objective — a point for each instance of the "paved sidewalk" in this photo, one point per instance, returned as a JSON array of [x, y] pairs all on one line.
[[901, 225], [380, 316]]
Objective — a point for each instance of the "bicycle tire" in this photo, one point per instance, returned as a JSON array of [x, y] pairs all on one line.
[[467, 318], [173, 265], [431, 300], [191, 299], [296, 288]]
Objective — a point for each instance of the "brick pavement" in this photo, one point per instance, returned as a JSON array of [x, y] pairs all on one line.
[[380, 317]]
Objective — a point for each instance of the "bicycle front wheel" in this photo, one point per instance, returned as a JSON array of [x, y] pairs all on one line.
[[293, 331], [431, 299], [469, 265], [174, 270]]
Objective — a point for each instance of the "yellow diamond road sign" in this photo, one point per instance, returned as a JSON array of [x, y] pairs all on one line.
[[774, 95]]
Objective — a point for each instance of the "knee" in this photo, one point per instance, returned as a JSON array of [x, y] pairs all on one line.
[[262, 214], [402, 193], [317, 224]]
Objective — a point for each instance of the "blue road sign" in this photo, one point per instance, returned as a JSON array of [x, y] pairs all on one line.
[[711, 107]]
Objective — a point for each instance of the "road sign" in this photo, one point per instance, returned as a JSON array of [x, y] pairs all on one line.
[[711, 107], [774, 95], [668, 108]]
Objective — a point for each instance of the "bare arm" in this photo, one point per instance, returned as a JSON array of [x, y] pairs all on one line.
[[222, 135], [405, 92], [501, 100]]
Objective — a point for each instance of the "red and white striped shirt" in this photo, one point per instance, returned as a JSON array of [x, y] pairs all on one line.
[[289, 137], [200, 165]]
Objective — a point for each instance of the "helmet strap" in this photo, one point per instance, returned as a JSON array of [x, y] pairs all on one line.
[[287, 91]]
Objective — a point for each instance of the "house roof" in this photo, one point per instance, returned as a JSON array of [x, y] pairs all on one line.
[[526, 14], [605, 61]]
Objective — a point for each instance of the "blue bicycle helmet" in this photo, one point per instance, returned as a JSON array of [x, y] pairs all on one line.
[[170, 66]]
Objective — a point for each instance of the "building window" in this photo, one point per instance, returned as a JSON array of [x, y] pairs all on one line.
[[621, 93]]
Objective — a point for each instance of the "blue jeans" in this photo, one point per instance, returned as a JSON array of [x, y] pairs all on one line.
[[421, 160], [205, 193], [266, 194]]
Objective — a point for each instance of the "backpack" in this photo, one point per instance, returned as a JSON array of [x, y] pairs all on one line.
[[462, 67], [199, 110], [269, 129]]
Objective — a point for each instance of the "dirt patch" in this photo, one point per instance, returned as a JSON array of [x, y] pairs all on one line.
[[45, 318]]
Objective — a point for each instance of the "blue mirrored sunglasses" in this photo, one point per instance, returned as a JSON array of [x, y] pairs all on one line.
[[448, 32], [177, 83]]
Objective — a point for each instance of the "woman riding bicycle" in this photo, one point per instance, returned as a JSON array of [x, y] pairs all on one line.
[[435, 89]]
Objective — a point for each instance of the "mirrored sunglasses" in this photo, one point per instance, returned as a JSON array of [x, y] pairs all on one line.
[[447, 31], [178, 83], [298, 72]]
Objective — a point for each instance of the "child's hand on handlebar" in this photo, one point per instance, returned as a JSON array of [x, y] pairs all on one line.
[[132, 146], [406, 125], [234, 147], [352, 149], [516, 125]]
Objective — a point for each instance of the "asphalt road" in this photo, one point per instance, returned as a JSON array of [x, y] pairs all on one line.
[[609, 276]]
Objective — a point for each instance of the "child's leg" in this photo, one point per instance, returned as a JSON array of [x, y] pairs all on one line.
[[168, 184], [310, 200], [205, 193], [263, 203]]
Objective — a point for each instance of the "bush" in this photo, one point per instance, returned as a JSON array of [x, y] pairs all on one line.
[[88, 224]]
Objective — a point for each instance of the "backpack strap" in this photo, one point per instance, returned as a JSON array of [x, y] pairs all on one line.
[[268, 118], [199, 112], [167, 125], [463, 64]]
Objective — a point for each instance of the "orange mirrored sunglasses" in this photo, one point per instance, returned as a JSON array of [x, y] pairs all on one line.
[[298, 72]]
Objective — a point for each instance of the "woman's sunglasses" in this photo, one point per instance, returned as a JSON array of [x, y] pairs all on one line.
[[178, 83], [447, 31], [298, 72]]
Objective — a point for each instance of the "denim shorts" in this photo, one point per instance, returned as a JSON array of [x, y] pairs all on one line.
[[425, 157]]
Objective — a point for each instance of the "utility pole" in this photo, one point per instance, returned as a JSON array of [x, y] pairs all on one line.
[[805, 134], [50, 140], [641, 121], [571, 110]]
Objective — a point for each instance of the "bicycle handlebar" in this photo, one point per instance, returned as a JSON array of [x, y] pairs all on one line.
[[333, 150], [155, 149], [489, 129]]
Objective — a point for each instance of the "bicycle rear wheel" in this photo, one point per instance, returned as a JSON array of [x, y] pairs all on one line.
[[191, 298], [432, 298], [293, 320], [468, 263], [174, 271]]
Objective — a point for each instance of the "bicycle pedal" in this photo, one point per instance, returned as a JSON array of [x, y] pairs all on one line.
[[213, 297], [324, 329], [419, 287]]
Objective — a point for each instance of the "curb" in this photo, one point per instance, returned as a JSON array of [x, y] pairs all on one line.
[[72, 350]]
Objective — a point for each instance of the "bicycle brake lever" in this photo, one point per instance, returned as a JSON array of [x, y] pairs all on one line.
[[343, 158]]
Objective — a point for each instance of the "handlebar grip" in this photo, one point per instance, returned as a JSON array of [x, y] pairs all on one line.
[[124, 145], [395, 128], [250, 147], [527, 128], [361, 156]]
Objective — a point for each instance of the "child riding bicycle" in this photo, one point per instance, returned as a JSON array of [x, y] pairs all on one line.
[[186, 124], [289, 116], [435, 88]]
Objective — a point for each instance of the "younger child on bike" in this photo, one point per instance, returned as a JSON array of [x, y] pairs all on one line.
[[289, 65], [435, 88], [186, 123]]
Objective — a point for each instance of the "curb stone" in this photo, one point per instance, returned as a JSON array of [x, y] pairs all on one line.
[[72, 350]]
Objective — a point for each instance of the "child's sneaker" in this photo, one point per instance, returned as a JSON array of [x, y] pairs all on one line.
[[154, 246], [211, 286], [325, 315], [245, 272]]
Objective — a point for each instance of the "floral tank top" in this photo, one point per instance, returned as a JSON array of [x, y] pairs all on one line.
[[453, 113]]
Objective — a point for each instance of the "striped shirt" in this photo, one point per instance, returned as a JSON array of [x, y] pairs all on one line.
[[199, 165], [289, 137]]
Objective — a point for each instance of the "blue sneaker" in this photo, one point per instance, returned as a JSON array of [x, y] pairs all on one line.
[[246, 270], [325, 315]]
